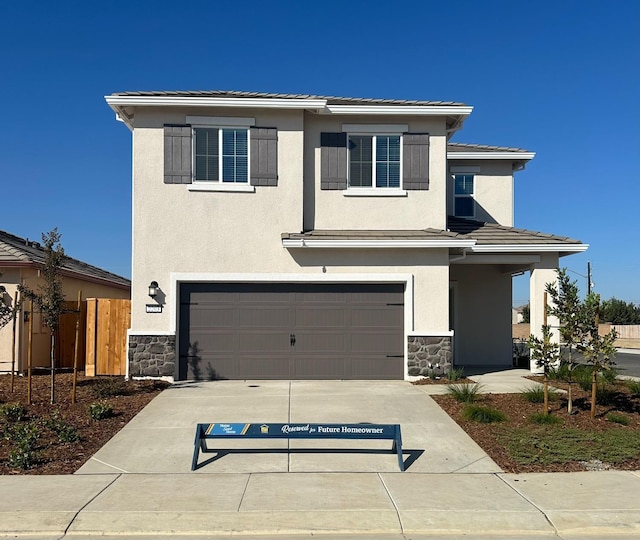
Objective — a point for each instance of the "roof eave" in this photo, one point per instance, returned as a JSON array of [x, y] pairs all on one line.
[[513, 156], [375, 244], [529, 248]]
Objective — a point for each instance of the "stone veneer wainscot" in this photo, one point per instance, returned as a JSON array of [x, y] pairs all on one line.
[[152, 356], [428, 354]]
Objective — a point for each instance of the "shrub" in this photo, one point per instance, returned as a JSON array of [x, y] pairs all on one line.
[[618, 418], [535, 394], [455, 374], [582, 375], [634, 388], [546, 419], [605, 395], [482, 414], [14, 412], [609, 375], [25, 436], [560, 373], [99, 410], [464, 393], [110, 387], [66, 433]]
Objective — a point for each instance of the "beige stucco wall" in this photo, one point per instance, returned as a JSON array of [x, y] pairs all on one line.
[[482, 315], [493, 186], [331, 209], [10, 278]]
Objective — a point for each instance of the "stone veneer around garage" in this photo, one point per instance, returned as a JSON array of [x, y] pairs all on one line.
[[428, 354], [152, 356]]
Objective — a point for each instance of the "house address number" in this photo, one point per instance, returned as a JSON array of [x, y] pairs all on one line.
[[154, 308]]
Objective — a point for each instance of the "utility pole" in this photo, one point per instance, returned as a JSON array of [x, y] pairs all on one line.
[[588, 277]]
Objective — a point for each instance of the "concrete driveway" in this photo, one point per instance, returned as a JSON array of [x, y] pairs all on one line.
[[160, 438]]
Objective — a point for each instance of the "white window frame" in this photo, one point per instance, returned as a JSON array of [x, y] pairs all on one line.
[[374, 131], [471, 196], [220, 123]]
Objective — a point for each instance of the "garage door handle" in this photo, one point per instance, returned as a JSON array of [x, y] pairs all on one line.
[[395, 356], [292, 339]]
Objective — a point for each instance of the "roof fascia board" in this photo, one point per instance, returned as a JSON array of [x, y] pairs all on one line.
[[491, 155], [367, 244], [195, 101], [414, 110], [529, 248]]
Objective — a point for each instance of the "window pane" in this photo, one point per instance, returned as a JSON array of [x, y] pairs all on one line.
[[463, 184], [360, 161], [464, 207], [388, 161], [206, 154], [234, 155]]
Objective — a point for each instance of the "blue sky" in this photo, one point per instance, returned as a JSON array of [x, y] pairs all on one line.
[[559, 78]]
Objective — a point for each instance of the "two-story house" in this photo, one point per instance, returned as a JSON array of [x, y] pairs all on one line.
[[281, 236]]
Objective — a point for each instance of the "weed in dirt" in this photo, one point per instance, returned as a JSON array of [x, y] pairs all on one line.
[[535, 394], [110, 387], [634, 388], [455, 374], [66, 432]]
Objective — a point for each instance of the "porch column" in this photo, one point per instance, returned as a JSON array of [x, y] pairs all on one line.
[[541, 273]]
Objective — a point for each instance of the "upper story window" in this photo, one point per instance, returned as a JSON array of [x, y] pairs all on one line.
[[221, 155], [374, 161], [464, 204]]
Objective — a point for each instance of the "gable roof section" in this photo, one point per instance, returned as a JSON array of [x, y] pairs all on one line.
[[17, 251], [477, 236]]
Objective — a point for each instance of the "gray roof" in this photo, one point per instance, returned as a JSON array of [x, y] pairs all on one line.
[[458, 229], [492, 233], [331, 100], [467, 147], [15, 250]]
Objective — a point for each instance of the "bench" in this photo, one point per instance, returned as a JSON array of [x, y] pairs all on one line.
[[205, 432]]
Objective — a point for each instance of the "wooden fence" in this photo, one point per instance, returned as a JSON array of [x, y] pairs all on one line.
[[106, 337], [66, 337]]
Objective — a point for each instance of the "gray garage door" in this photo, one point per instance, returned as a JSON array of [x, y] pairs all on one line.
[[291, 331]]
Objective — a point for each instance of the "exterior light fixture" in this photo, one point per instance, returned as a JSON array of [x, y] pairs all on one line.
[[3, 289], [153, 289]]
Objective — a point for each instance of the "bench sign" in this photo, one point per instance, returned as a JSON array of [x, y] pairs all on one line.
[[205, 432]]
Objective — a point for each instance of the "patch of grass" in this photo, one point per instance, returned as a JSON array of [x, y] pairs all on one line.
[[618, 418], [99, 410], [544, 419], [634, 388], [110, 387], [464, 393], [535, 394], [558, 444], [13, 412], [482, 414], [455, 374]]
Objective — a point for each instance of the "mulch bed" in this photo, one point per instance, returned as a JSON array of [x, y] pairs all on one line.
[[53, 456], [518, 411]]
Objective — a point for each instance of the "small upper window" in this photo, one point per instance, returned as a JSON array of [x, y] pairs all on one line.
[[464, 205], [221, 155], [374, 161]]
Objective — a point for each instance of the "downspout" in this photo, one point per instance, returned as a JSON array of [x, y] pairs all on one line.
[[460, 257]]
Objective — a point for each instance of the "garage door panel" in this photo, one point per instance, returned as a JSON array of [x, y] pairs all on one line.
[[375, 343], [374, 369], [308, 343], [264, 317], [318, 367], [263, 342], [376, 317], [322, 317]]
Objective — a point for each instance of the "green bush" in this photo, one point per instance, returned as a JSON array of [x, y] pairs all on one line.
[[545, 419], [634, 388], [535, 394], [609, 375], [66, 433], [605, 395], [582, 375], [482, 414], [464, 393], [13, 412], [455, 374], [99, 410], [560, 373], [618, 418], [26, 437], [110, 387]]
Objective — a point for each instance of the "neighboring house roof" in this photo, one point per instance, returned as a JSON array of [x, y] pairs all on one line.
[[463, 151], [467, 147], [17, 251], [331, 100], [461, 233]]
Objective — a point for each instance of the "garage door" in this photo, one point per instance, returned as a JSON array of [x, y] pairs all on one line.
[[291, 331]]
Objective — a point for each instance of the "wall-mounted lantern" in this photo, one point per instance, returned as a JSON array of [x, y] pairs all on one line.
[[153, 289]]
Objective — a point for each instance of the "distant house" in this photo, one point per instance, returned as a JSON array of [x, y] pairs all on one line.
[[283, 236], [20, 263]]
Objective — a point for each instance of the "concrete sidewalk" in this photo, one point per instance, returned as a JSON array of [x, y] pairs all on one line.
[[570, 505], [140, 483]]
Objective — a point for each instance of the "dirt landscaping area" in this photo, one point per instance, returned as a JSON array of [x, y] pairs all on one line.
[[57, 439]]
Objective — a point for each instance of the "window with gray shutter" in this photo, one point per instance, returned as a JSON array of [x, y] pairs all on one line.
[[177, 154], [264, 156], [415, 161], [333, 161]]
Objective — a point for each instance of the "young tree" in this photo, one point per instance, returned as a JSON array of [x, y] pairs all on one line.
[[597, 350], [49, 297], [546, 353], [566, 306]]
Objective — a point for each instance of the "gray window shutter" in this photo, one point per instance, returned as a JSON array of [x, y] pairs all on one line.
[[333, 161], [177, 154], [415, 161], [264, 156]]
